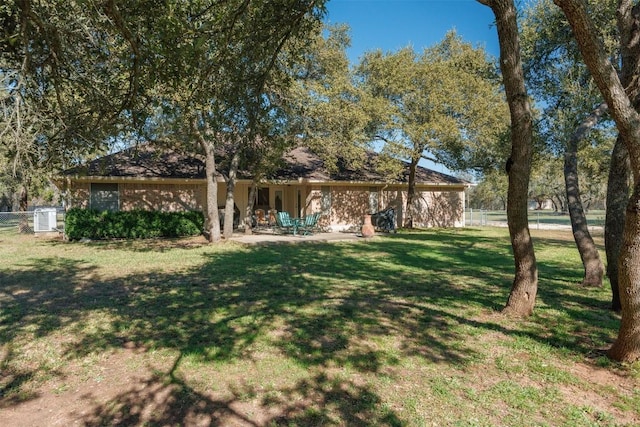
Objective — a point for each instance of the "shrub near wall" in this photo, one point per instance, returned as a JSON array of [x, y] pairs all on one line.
[[135, 224]]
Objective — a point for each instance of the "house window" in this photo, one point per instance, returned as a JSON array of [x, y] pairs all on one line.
[[105, 197], [261, 200], [373, 199], [325, 201], [278, 201]]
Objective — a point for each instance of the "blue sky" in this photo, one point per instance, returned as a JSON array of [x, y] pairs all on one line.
[[393, 24]]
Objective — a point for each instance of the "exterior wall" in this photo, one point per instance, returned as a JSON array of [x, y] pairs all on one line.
[[78, 195], [164, 197], [342, 206], [145, 196], [435, 208], [395, 198], [439, 209], [314, 204], [241, 198], [348, 206]]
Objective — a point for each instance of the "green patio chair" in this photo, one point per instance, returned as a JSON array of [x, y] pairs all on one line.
[[310, 223], [284, 222]]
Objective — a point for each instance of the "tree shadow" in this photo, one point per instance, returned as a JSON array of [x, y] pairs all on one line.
[[321, 305], [166, 399]]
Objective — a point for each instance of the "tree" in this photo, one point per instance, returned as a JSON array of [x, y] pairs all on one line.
[[593, 267], [111, 67], [445, 104], [331, 112], [618, 190], [573, 108], [311, 97], [622, 107], [229, 53], [546, 181], [490, 192], [62, 94], [17, 136], [525, 284], [620, 170]]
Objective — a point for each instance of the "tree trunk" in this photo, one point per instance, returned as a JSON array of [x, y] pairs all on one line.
[[525, 283], [212, 222], [627, 345], [593, 268], [561, 205], [248, 222], [619, 172], [617, 199], [411, 194], [23, 204], [229, 207], [23, 199]]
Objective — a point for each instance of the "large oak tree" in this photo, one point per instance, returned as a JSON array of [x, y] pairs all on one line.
[[444, 104], [621, 104], [107, 68], [574, 116], [67, 77], [525, 284]]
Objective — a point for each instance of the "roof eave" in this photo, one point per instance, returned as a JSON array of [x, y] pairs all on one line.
[[67, 179]]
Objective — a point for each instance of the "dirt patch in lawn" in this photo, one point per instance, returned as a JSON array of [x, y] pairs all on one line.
[[134, 386]]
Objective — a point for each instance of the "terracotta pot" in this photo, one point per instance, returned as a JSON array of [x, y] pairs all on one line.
[[367, 228]]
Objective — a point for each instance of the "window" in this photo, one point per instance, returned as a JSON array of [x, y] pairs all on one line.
[[373, 200], [105, 197], [278, 201], [325, 201], [261, 199]]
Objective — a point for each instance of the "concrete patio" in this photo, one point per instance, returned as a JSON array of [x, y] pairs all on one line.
[[268, 237]]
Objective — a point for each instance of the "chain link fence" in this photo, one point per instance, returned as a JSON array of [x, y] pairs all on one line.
[[30, 222], [16, 222], [540, 220]]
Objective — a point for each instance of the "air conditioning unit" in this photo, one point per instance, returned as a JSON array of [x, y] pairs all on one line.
[[45, 220]]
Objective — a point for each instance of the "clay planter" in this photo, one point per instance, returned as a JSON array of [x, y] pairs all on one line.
[[367, 228]]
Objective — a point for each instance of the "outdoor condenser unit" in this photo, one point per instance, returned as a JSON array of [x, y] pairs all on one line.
[[45, 220]]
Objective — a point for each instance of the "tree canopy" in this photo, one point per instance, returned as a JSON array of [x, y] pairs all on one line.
[[105, 71], [445, 104]]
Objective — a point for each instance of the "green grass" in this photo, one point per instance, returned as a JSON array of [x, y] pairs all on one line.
[[401, 330]]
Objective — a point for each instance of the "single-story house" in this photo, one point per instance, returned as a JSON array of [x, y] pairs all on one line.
[[153, 178]]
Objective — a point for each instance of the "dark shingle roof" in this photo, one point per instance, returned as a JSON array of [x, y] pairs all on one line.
[[302, 163], [144, 161], [149, 161]]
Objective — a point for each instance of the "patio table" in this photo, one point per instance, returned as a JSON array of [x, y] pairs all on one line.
[[296, 223]]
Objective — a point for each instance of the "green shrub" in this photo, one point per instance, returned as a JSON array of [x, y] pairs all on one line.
[[136, 224]]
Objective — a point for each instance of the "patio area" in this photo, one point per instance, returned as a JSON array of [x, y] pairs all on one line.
[[268, 237]]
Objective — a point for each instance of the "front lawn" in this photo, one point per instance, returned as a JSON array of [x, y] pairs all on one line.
[[400, 330]]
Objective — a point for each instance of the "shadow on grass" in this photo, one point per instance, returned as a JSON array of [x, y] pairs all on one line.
[[318, 305], [316, 400]]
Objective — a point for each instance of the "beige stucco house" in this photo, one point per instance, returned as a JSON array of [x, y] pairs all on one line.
[[147, 177]]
